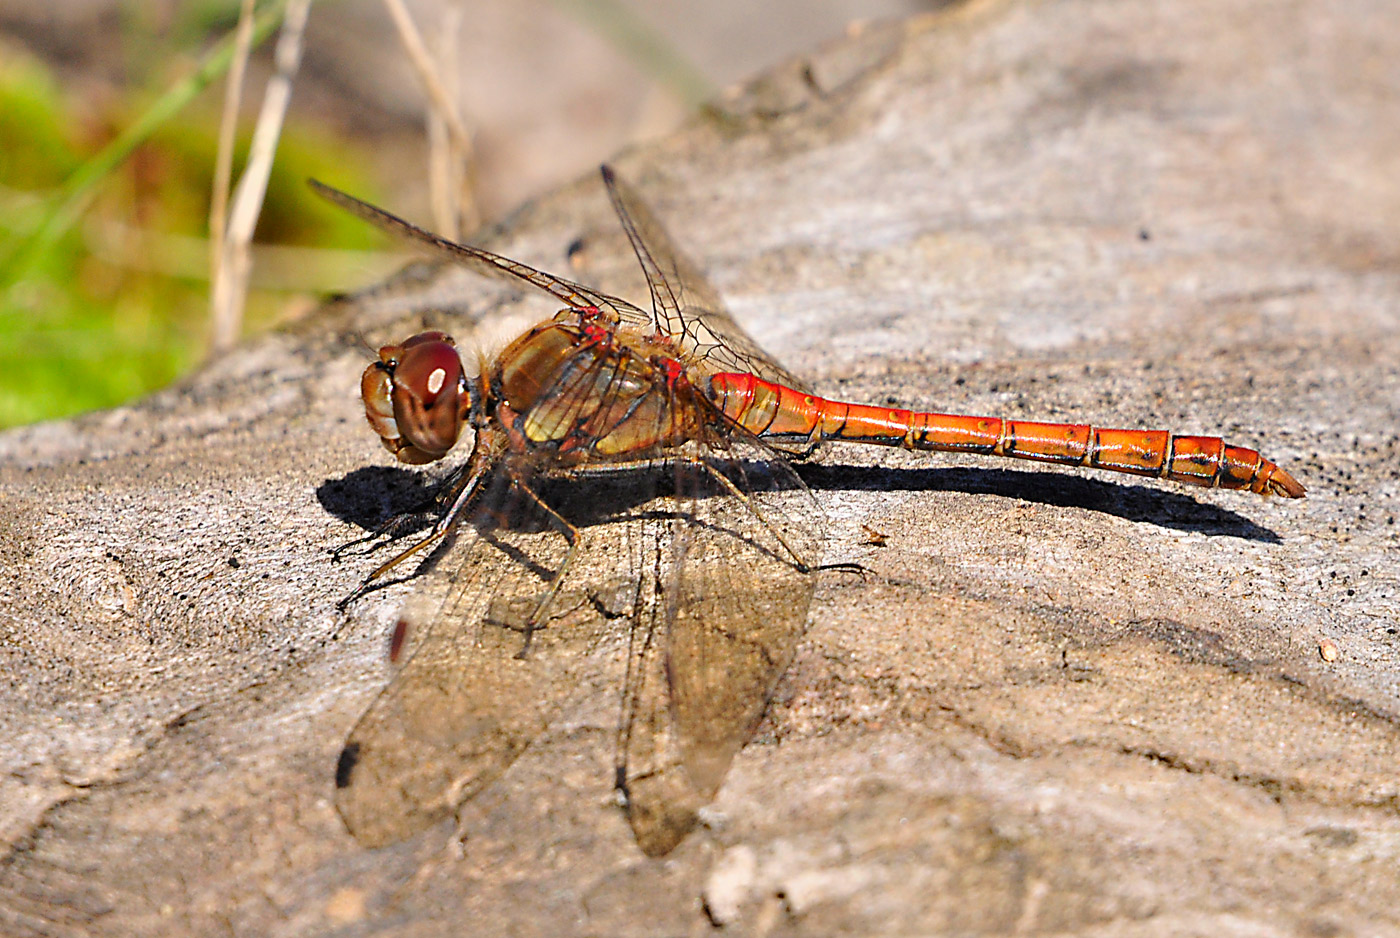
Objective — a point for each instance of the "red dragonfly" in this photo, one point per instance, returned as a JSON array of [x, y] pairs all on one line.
[[630, 464]]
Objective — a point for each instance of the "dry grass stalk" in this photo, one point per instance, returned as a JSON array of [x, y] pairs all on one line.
[[230, 287], [454, 208], [228, 125], [442, 107]]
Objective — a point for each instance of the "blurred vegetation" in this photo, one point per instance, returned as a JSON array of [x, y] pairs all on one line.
[[104, 257], [119, 305]]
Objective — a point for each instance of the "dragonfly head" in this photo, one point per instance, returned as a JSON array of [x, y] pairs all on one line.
[[416, 397]]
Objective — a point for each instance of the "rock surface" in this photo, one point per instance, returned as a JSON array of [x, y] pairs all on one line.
[[1056, 702]]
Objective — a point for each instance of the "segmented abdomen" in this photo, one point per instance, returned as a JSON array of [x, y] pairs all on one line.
[[772, 410]]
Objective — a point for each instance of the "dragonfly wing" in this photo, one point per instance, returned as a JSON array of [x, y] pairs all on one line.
[[687, 308], [485, 263], [734, 589], [661, 800], [463, 705]]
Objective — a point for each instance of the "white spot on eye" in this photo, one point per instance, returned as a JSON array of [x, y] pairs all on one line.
[[436, 379]]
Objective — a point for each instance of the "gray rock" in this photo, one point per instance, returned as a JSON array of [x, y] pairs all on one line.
[[1056, 702]]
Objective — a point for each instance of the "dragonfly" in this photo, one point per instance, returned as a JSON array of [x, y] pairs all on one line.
[[629, 465]]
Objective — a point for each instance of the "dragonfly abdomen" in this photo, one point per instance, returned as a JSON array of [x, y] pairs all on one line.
[[772, 410]]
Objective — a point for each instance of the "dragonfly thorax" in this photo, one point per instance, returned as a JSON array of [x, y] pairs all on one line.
[[416, 397], [571, 391]]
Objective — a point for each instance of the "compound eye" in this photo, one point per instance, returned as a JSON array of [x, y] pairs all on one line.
[[422, 338], [376, 390], [430, 394]]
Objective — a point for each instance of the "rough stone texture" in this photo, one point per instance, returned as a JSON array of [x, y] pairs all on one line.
[[1057, 703]]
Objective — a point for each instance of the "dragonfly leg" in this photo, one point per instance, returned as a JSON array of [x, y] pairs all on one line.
[[441, 529], [748, 503], [380, 532], [445, 493], [729, 486], [571, 535]]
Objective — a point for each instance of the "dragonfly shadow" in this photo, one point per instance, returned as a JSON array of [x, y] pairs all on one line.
[[412, 499], [1131, 502], [372, 495], [396, 505]]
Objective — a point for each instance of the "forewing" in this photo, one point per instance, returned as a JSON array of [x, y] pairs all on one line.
[[465, 704], [688, 309], [485, 263], [733, 589]]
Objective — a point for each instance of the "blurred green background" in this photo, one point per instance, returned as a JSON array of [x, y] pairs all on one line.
[[119, 305]]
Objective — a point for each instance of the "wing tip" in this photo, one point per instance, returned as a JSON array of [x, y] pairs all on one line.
[[346, 763]]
